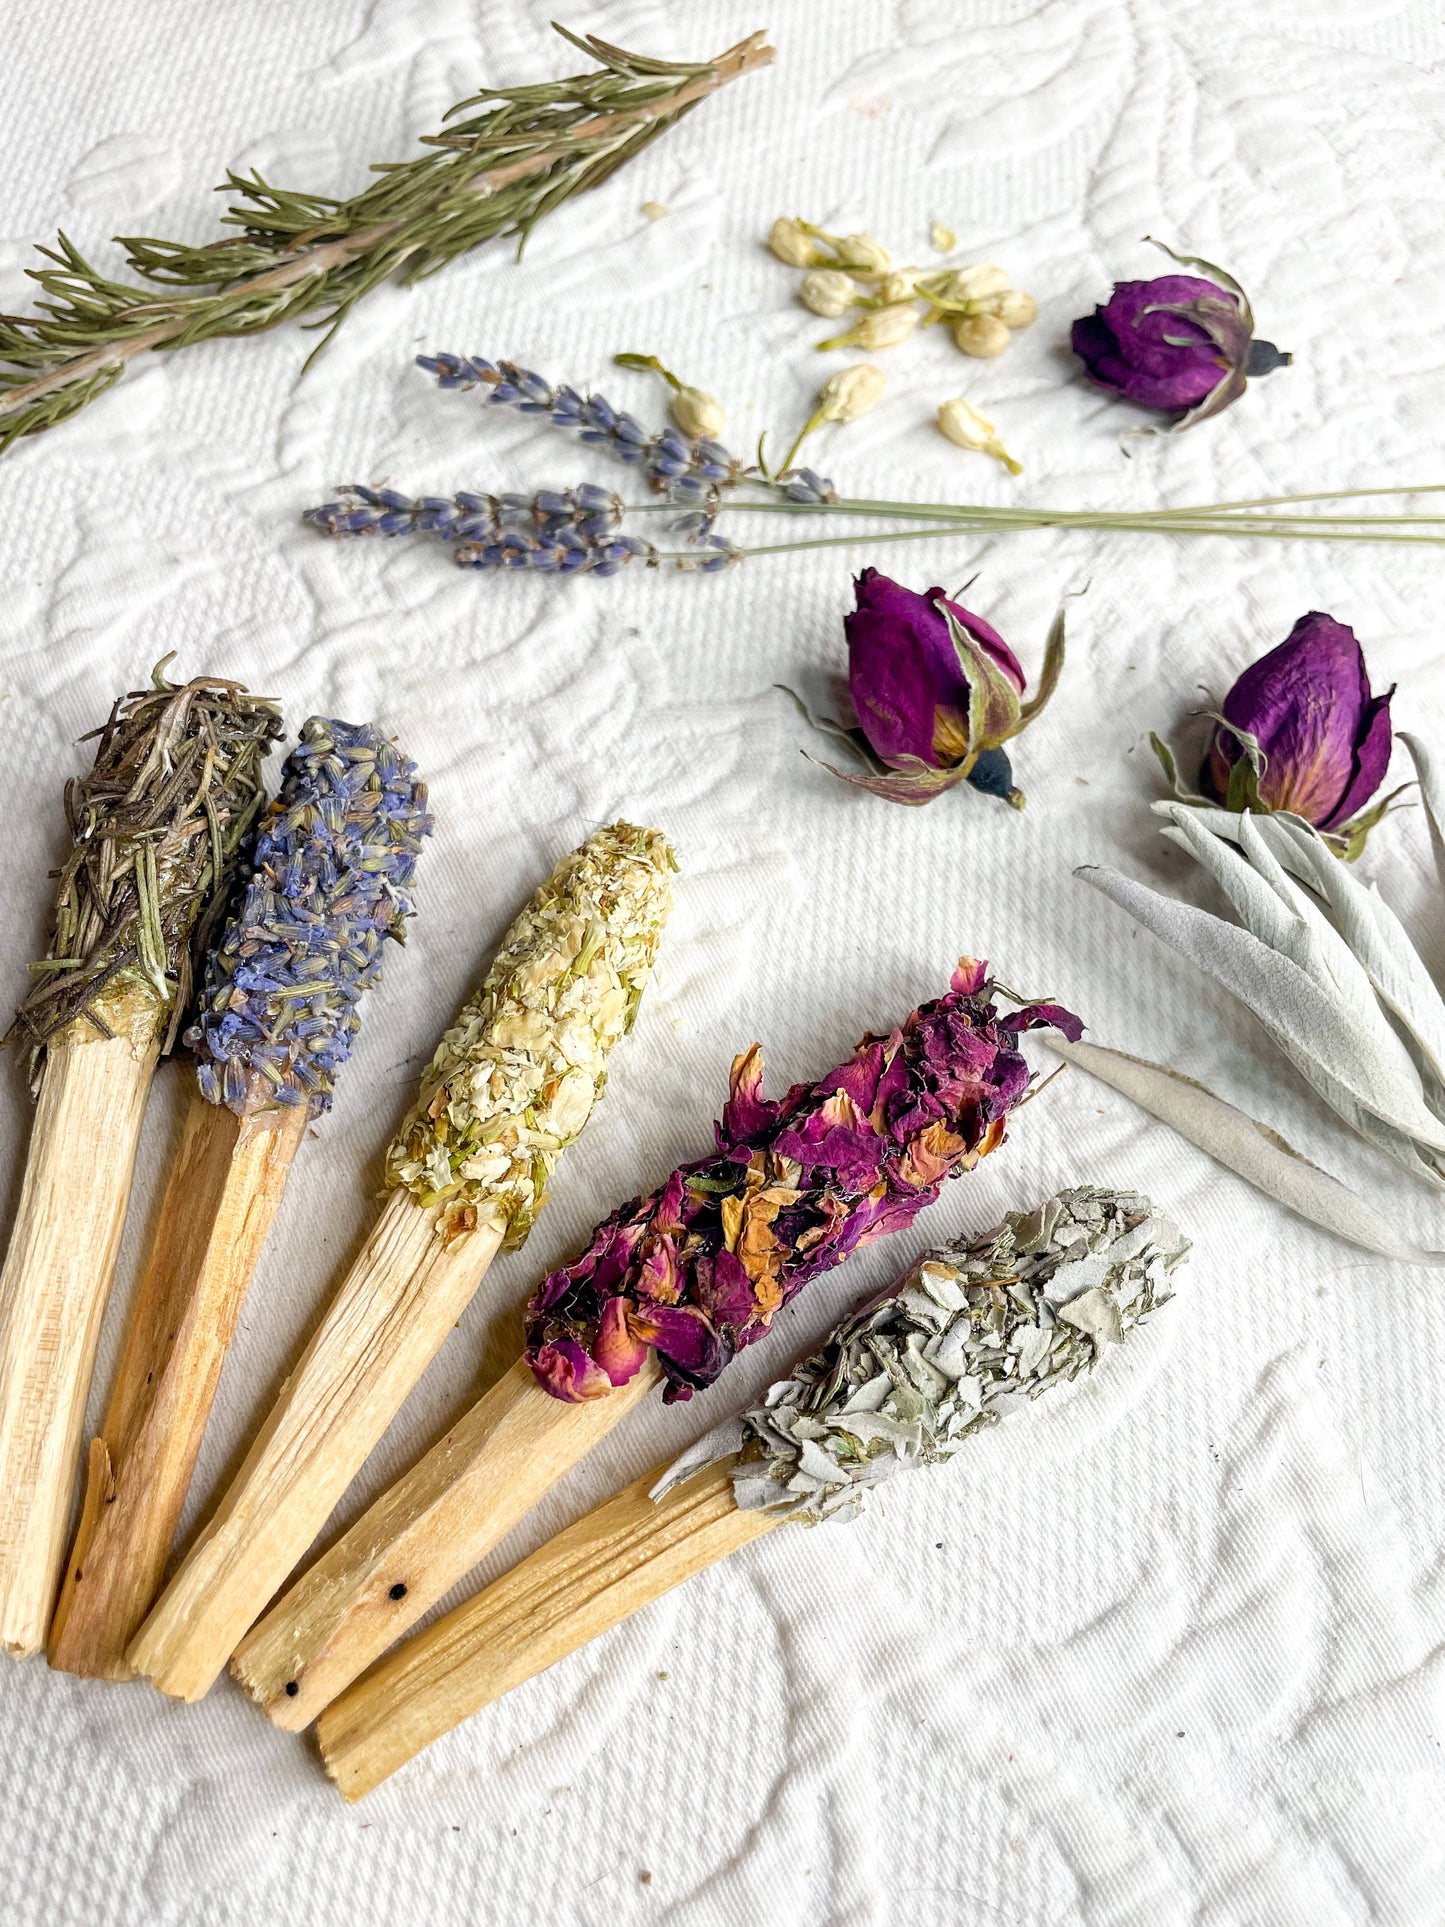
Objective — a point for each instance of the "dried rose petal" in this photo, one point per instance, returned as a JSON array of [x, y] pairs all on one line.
[[700, 1267]]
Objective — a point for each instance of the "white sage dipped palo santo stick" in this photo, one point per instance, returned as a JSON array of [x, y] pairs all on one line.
[[512, 1084], [970, 1334], [670, 1284], [155, 826], [329, 881]]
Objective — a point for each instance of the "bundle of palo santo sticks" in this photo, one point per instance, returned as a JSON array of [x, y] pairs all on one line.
[[190, 908]]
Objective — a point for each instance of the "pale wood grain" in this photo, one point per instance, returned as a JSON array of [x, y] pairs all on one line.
[[422, 1535], [53, 1292], [222, 1194], [588, 1579], [402, 1296]]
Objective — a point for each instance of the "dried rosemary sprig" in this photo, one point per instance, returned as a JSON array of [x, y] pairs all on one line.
[[507, 157], [157, 825]]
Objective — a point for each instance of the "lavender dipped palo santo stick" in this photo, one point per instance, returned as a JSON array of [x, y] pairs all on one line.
[[973, 1332], [330, 880], [156, 826], [512, 1083], [669, 1288]]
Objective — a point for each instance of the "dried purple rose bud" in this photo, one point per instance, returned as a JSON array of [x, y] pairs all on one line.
[[937, 692], [1301, 731], [700, 1267], [1178, 343]]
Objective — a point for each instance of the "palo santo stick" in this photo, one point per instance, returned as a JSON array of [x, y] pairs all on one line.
[[330, 876], [576, 1587], [902, 1382], [223, 1192], [400, 1557], [155, 828], [512, 1083], [688, 1273]]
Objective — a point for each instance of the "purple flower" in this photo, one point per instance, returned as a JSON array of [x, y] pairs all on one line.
[[937, 694], [1179, 343], [699, 1269], [1318, 739]]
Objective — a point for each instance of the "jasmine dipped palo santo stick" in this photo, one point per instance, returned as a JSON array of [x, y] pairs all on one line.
[[974, 1332], [330, 880], [670, 1287], [512, 1084], [156, 826]]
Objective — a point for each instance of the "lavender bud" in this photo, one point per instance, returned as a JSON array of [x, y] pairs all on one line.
[[330, 878]]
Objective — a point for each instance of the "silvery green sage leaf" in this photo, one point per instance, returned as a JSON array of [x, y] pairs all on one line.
[[1312, 1021], [1365, 922], [1254, 1152]]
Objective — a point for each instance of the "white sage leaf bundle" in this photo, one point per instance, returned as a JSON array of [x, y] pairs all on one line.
[[974, 1331], [1251, 1150], [1300, 977]]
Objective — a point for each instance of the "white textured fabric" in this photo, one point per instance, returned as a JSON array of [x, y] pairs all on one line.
[[1170, 1654]]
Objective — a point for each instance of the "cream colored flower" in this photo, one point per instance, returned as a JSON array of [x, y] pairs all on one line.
[[699, 415], [981, 335], [1017, 309], [828, 292], [789, 240], [860, 252], [879, 328], [962, 423], [851, 392], [942, 239], [977, 283], [901, 285]]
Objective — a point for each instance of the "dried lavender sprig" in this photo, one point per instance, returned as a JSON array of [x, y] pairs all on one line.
[[465, 517], [568, 552], [682, 470], [330, 879]]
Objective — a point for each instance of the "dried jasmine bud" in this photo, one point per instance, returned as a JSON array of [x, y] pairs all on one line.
[[879, 328], [981, 335], [828, 292], [962, 423], [517, 1075]]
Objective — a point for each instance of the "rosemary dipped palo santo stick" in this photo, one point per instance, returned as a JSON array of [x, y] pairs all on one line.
[[972, 1333], [330, 879], [156, 826], [512, 1084], [670, 1286], [506, 158]]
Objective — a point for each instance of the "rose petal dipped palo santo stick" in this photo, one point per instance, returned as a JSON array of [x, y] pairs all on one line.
[[512, 1083], [156, 826], [669, 1288], [330, 881], [972, 1333]]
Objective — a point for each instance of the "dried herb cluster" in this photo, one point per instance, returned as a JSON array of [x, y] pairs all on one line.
[[975, 1332], [157, 825], [698, 1268], [330, 880], [506, 158], [516, 1076]]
